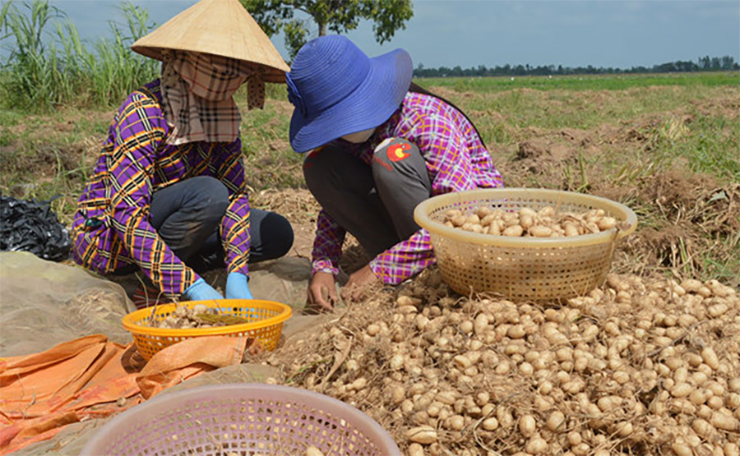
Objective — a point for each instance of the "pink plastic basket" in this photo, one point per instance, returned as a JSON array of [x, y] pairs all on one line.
[[241, 419]]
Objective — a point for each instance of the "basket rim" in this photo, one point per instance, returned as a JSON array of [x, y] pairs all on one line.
[[357, 417], [421, 215], [129, 320]]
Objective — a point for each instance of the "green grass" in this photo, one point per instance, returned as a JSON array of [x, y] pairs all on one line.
[[48, 66], [668, 120], [724, 270], [714, 147], [574, 109], [637, 128], [10, 118], [584, 82], [269, 159], [638, 131], [43, 156]]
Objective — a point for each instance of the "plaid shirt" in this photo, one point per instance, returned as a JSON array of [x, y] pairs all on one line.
[[456, 160], [111, 226], [198, 94]]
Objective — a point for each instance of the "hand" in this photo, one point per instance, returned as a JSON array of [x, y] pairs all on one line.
[[201, 291], [322, 292], [237, 286], [359, 283]]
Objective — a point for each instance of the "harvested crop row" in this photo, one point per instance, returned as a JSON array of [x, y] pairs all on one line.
[[639, 366]]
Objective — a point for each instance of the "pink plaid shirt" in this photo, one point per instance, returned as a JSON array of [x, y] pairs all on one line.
[[456, 160]]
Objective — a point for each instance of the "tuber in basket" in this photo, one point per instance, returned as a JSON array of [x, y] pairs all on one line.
[[522, 268], [266, 320], [241, 419]]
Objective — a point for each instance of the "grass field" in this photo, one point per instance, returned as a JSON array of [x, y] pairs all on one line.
[[584, 82], [45, 63], [667, 145]]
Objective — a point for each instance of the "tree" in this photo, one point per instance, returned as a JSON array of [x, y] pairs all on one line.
[[338, 16], [728, 62], [705, 62]]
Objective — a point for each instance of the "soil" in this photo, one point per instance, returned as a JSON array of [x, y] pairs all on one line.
[[681, 212], [682, 216]]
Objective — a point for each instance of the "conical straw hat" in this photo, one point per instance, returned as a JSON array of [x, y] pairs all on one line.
[[220, 27]]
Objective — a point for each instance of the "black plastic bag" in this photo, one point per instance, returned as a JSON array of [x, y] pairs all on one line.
[[31, 226]]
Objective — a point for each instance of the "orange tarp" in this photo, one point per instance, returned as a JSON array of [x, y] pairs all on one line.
[[43, 392]]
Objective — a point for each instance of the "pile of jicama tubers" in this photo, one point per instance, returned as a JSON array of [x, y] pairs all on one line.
[[638, 366], [545, 222]]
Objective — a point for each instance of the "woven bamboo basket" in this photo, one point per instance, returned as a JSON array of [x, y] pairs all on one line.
[[525, 268]]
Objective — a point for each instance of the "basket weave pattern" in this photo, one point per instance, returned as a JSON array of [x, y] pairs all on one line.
[[242, 419], [266, 324], [524, 269], [541, 274]]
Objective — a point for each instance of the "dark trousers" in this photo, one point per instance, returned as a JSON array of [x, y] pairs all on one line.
[[374, 203], [187, 216]]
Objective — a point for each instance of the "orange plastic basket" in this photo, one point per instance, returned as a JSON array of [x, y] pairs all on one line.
[[266, 320], [522, 268]]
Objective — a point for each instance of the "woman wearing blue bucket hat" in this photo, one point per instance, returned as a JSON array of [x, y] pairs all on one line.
[[378, 146]]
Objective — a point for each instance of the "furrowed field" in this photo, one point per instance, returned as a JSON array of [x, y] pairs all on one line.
[[645, 364]]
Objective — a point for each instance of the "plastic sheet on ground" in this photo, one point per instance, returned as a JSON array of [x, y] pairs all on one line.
[[73, 438], [45, 303], [90, 378]]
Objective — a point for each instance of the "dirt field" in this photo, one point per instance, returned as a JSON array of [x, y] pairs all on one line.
[[689, 218], [646, 364], [669, 153], [621, 371]]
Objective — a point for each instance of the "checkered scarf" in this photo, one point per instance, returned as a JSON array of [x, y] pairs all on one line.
[[198, 94]]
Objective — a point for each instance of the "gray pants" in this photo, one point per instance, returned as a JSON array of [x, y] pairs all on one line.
[[374, 203], [187, 216]]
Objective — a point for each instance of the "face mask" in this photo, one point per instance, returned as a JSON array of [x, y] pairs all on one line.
[[360, 136]]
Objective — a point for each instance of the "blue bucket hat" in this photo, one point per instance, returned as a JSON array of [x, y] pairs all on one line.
[[337, 90]]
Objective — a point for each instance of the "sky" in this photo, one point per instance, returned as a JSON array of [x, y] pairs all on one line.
[[468, 33]]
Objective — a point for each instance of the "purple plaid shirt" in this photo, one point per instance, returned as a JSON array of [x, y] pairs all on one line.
[[133, 164], [456, 160]]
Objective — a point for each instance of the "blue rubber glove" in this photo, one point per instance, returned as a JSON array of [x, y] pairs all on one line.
[[237, 286], [201, 291]]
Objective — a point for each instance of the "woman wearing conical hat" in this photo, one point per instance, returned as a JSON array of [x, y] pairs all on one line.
[[168, 193], [379, 145]]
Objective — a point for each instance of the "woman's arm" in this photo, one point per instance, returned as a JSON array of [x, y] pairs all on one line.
[[140, 129], [327, 245], [235, 227]]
